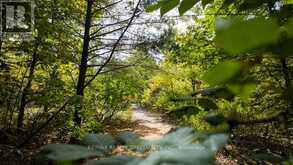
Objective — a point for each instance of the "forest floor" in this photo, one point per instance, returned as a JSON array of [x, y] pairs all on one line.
[[151, 126]]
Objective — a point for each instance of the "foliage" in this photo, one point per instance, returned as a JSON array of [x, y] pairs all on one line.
[[184, 146], [231, 67], [239, 36], [165, 86]]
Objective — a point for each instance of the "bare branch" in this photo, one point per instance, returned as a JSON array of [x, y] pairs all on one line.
[[107, 6], [106, 33], [116, 44]]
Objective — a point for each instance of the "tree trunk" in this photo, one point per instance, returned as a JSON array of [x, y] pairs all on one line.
[[287, 78], [83, 65], [26, 89]]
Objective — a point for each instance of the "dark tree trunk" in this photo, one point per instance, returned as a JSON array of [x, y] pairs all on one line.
[[83, 65], [26, 89], [287, 78], [193, 85]]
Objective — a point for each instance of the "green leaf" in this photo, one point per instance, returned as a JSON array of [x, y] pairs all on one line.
[[205, 2], [121, 160], [179, 138], [222, 73], [224, 93], [215, 120], [242, 90], [182, 137], [238, 36], [218, 92], [193, 155], [207, 104], [187, 110], [216, 142], [154, 6], [99, 140], [168, 5], [69, 152], [283, 47], [186, 5], [105, 143], [126, 137], [139, 145]]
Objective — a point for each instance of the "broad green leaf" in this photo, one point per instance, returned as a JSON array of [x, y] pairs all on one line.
[[126, 137], [283, 47], [222, 73], [218, 92], [207, 104], [154, 7], [133, 142], [238, 36], [168, 5], [184, 111], [99, 140], [215, 120], [205, 2], [186, 5], [116, 160], [196, 156], [139, 145], [242, 90], [215, 142], [69, 152], [185, 146], [224, 93], [179, 138]]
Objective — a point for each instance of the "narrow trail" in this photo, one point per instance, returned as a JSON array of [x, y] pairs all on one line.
[[149, 126]]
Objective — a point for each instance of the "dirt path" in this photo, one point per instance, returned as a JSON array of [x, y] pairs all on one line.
[[149, 125]]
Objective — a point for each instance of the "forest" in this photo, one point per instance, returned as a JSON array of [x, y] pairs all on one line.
[[146, 82]]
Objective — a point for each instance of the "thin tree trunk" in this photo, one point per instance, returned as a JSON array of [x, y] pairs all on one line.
[[83, 65], [26, 89], [287, 78]]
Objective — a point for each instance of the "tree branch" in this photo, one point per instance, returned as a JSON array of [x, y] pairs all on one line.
[[115, 45]]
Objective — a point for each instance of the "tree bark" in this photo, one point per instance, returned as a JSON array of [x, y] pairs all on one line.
[[287, 78], [83, 65], [26, 89]]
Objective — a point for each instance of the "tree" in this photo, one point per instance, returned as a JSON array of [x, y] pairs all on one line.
[[88, 36]]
